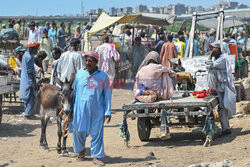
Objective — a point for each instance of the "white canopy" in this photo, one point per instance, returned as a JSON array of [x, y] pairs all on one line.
[[230, 21]]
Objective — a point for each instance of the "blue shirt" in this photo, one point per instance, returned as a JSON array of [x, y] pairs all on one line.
[[159, 45], [92, 101], [26, 84], [46, 28], [196, 48]]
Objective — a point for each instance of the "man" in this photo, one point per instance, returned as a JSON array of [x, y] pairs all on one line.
[[39, 58], [209, 40], [47, 46], [3, 28], [87, 42], [168, 52], [92, 106], [84, 26], [220, 79], [70, 62], [108, 55], [196, 50], [68, 29], [47, 26], [28, 80], [61, 35], [39, 30], [160, 43], [180, 46], [52, 33], [33, 34], [56, 54], [17, 27], [10, 33], [20, 50], [138, 55]]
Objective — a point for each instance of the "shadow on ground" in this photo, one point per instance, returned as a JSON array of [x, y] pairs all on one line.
[[194, 138], [17, 130]]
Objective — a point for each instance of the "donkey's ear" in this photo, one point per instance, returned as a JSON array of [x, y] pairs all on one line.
[[72, 78], [58, 81]]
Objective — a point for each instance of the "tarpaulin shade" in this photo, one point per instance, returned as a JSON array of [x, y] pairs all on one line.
[[105, 20], [230, 21]]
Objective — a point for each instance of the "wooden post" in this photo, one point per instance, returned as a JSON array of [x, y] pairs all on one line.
[[221, 28], [191, 36], [218, 29], [245, 44]]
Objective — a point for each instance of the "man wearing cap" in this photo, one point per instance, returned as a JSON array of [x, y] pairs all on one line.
[[47, 46], [20, 50], [70, 62], [92, 106], [220, 79], [28, 80]]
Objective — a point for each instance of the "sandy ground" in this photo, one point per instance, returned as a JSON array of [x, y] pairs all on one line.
[[19, 143]]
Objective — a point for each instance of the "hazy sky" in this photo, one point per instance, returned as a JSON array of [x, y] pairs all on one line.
[[55, 7]]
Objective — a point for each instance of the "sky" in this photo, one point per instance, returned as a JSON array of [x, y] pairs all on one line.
[[59, 7]]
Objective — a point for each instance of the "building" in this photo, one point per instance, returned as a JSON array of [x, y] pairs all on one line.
[[99, 11], [119, 11], [179, 9], [112, 11], [128, 10], [199, 9], [141, 8], [154, 10], [242, 6]]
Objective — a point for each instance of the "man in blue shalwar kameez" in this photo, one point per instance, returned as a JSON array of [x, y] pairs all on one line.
[[28, 82], [92, 106]]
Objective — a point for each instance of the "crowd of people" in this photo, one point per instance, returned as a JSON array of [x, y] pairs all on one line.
[[97, 68]]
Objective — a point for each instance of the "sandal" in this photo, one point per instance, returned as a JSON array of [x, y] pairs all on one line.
[[96, 161], [81, 155]]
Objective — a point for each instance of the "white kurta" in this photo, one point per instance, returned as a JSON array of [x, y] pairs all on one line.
[[69, 63]]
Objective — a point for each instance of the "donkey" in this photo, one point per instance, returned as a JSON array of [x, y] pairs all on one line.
[[55, 102]]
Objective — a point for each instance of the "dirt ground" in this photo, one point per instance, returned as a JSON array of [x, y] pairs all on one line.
[[19, 143]]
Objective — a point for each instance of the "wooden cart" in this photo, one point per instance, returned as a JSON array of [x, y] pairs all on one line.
[[190, 111]]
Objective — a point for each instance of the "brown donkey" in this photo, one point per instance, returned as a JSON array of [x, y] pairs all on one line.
[[58, 103]]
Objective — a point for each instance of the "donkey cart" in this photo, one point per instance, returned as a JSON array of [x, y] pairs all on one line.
[[178, 111]]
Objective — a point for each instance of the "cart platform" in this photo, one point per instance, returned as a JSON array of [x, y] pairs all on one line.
[[176, 102]]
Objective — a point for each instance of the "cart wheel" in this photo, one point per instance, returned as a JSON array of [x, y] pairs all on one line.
[[143, 128]]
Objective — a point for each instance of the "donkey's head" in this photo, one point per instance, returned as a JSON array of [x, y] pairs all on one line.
[[66, 94]]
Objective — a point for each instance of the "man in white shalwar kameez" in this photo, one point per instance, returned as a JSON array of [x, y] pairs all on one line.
[[220, 79], [70, 62]]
